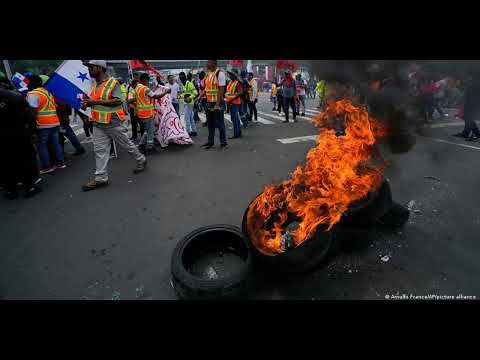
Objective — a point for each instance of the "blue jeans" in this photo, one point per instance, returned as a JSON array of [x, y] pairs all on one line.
[[243, 111], [189, 120], [215, 120], [45, 135], [470, 124], [176, 106], [235, 116], [149, 130], [70, 135]]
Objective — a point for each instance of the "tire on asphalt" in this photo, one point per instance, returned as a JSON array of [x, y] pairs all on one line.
[[311, 254], [396, 217], [206, 239], [367, 213]]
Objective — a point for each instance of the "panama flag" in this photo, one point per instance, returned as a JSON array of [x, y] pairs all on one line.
[[71, 83], [21, 83]]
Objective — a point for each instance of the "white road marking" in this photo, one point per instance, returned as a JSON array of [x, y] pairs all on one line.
[[306, 118], [312, 111], [298, 139], [453, 143], [447, 124]]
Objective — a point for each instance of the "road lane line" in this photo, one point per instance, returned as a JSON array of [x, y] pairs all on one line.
[[453, 143], [448, 124], [298, 139], [306, 118]]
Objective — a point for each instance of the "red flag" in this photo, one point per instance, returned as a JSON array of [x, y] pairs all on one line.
[[236, 63], [287, 64], [142, 64]]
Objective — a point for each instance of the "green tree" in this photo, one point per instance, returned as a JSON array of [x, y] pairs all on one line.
[[37, 67]]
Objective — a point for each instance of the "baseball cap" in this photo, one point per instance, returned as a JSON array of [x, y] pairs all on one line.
[[101, 63]]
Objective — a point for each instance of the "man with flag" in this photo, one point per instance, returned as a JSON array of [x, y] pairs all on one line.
[[108, 115], [44, 109]]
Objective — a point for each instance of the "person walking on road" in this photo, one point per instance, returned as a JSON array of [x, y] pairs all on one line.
[[136, 123], [175, 89], [45, 112], [273, 95], [214, 90], [301, 86], [289, 94], [232, 97], [145, 108], [252, 98], [244, 99], [189, 94], [202, 100], [471, 111], [17, 154], [107, 113]]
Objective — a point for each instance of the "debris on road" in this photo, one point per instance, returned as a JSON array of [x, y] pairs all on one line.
[[211, 273], [432, 178], [411, 204], [385, 258]]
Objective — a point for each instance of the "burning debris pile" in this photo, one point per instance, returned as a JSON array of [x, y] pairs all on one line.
[[339, 171]]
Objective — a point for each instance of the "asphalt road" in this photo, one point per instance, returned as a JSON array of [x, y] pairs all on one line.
[[115, 243]]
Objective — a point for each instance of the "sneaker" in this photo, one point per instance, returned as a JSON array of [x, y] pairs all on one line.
[[38, 181], [194, 133], [47, 170], [285, 121], [303, 114], [207, 144], [140, 167], [223, 146], [473, 138], [460, 135], [60, 166], [94, 184], [32, 191]]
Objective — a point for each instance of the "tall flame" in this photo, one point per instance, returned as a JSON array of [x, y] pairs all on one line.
[[335, 175]]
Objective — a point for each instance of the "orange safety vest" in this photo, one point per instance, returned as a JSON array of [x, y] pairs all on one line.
[[211, 86], [230, 92], [103, 114], [145, 109], [47, 109]]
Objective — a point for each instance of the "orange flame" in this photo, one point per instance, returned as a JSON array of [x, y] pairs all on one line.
[[335, 175]]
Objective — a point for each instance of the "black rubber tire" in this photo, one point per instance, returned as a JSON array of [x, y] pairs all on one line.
[[373, 210], [396, 217], [188, 286], [355, 238], [309, 255]]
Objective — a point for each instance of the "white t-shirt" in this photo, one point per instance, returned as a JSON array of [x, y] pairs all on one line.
[[222, 81], [175, 89], [33, 100]]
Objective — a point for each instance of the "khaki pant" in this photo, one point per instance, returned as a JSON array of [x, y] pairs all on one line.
[[101, 146]]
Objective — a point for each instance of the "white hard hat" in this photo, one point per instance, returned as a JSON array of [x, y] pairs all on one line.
[[101, 63]]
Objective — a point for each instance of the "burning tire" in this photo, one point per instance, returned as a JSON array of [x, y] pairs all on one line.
[[307, 256], [212, 262], [397, 216], [367, 211]]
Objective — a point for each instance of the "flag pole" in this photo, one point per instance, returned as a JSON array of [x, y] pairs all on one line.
[[130, 72], [8, 71]]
